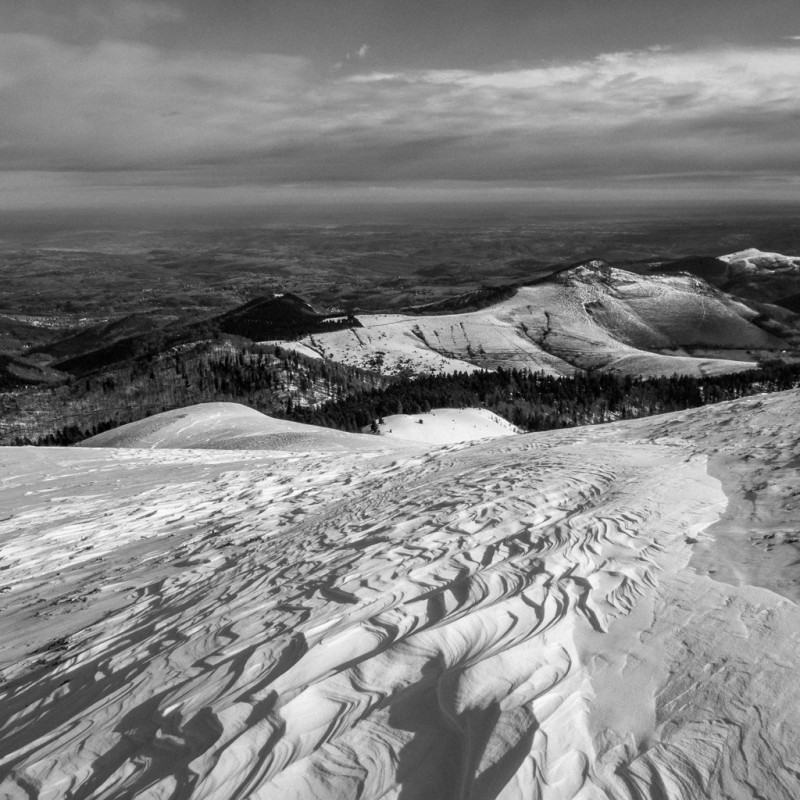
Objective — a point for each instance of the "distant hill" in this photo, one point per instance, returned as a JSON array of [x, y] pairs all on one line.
[[227, 426], [469, 301], [102, 335], [284, 316], [150, 344], [584, 317], [714, 270], [750, 274], [18, 371]]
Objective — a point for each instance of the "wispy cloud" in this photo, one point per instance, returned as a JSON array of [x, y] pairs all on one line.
[[92, 21], [244, 119]]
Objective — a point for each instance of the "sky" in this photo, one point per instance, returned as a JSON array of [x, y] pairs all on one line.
[[143, 105]]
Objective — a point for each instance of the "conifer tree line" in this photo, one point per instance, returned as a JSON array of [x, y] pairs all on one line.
[[266, 378], [283, 383], [534, 401]]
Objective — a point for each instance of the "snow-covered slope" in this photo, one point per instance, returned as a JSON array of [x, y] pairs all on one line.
[[755, 260], [226, 426], [589, 317], [764, 276], [589, 613], [445, 426]]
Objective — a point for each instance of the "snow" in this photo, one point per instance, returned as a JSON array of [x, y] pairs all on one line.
[[755, 260], [225, 426], [588, 613], [597, 319], [445, 426]]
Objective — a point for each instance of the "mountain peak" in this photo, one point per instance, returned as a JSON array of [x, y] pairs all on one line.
[[755, 260], [590, 270]]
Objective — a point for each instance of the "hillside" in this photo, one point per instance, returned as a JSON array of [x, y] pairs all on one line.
[[607, 612], [264, 378], [751, 274], [226, 426], [102, 335], [277, 317], [588, 317]]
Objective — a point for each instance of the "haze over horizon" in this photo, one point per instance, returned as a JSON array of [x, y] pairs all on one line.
[[136, 107]]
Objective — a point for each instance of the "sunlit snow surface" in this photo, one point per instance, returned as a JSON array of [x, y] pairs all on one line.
[[755, 260], [445, 426], [592, 613]]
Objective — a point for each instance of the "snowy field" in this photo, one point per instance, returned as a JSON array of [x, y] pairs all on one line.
[[606, 612], [445, 426]]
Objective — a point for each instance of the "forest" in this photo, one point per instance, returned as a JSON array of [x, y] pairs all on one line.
[[226, 369], [534, 401], [284, 384]]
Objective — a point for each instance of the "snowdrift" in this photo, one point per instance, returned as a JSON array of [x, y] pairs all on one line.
[[606, 612], [226, 426], [446, 426]]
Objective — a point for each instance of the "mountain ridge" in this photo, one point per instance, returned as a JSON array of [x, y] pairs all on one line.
[[586, 316]]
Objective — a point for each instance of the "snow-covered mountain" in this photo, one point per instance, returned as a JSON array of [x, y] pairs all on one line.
[[754, 260], [591, 316], [606, 612], [752, 274]]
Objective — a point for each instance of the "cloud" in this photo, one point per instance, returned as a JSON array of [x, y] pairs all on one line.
[[266, 120], [138, 14], [350, 58], [92, 20]]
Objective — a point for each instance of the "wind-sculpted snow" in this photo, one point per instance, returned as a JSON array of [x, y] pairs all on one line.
[[511, 619], [225, 426]]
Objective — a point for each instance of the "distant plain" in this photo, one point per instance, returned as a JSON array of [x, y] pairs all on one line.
[[65, 277]]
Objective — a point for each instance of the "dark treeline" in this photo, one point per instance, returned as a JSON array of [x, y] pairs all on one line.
[[267, 378], [257, 330], [284, 384], [534, 401]]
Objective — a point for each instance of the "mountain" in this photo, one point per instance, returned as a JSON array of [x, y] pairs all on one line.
[[18, 372], [469, 301], [589, 316], [135, 336], [586, 316], [609, 612], [750, 274], [102, 335], [206, 371], [712, 270], [758, 261], [280, 316]]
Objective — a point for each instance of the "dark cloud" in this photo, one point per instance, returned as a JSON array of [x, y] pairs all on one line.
[[254, 120]]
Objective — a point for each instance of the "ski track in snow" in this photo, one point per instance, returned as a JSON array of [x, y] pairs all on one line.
[[512, 619]]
